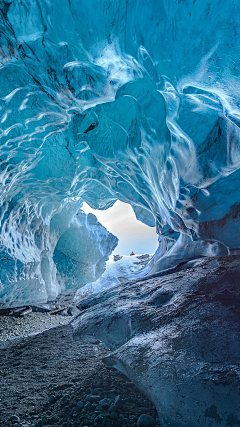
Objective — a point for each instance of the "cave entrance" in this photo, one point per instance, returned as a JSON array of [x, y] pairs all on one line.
[[133, 235]]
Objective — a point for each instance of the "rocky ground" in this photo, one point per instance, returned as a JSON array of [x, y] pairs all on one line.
[[48, 379], [13, 328]]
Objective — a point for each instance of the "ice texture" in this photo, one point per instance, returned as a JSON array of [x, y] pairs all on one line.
[[176, 336], [119, 269], [125, 100], [64, 248]]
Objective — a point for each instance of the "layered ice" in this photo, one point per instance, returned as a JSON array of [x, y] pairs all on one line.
[[70, 250], [125, 100]]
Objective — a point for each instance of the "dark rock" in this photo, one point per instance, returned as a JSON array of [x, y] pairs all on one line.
[[99, 419], [52, 399], [118, 402], [112, 396], [125, 421], [93, 398], [146, 421], [15, 418], [66, 397], [105, 403], [112, 408], [87, 405], [62, 386], [80, 405], [52, 420], [114, 415]]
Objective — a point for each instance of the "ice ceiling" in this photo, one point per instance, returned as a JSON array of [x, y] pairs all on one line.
[[136, 100]]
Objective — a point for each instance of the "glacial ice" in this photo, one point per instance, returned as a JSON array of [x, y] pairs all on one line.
[[125, 100], [62, 241], [176, 336], [119, 269]]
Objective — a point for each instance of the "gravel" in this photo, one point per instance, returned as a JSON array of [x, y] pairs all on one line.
[[49, 379], [12, 328]]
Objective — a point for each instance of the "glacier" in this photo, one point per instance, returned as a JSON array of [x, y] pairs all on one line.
[[137, 101], [125, 100], [54, 254], [119, 269], [176, 336]]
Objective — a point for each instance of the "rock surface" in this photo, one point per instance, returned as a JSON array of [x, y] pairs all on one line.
[[177, 338], [45, 380], [146, 421]]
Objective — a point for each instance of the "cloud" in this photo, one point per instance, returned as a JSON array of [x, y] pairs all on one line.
[[133, 234]]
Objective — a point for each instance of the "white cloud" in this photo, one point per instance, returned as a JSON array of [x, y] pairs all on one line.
[[121, 221]]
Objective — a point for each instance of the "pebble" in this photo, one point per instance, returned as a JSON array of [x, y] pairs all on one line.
[[118, 402], [87, 405], [15, 418], [14, 327], [99, 419], [146, 421], [105, 403], [112, 408], [101, 403], [93, 398], [114, 415], [80, 405], [52, 399]]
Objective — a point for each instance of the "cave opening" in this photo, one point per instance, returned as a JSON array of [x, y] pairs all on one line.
[[137, 243], [104, 101], [121, 221]]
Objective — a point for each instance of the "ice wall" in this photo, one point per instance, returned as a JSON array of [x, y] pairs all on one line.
[[129, 100], [55, 249]]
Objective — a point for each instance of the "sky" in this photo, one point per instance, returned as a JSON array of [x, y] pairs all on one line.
[[133, 235]]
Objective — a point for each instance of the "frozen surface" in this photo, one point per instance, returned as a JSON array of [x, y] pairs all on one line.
[[129, 100], [70, 249], [177, 338], [119, 269]]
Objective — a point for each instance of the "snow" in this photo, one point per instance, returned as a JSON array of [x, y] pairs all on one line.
[[116, 272]]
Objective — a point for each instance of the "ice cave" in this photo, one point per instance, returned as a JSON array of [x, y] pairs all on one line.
[[134, 101]]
